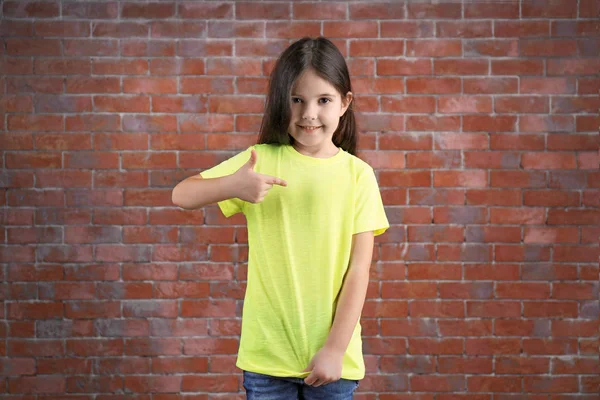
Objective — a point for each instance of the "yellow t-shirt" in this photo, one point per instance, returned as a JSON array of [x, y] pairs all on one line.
[[300, 240]]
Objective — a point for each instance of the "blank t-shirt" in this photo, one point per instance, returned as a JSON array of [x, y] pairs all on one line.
[[300, 240]]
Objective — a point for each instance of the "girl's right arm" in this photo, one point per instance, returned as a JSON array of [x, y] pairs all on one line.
[[245, 184], [196, 192]]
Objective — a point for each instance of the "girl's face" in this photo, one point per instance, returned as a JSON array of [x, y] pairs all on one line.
[[316, 110]]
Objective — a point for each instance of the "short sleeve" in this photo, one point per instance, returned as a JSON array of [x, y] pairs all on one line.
[[233, 206], [369, 214]]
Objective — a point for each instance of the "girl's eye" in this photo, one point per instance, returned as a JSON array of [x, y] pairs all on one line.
[[296, 100], [324, 100]]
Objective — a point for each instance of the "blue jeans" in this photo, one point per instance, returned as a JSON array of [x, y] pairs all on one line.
[[266, 387]]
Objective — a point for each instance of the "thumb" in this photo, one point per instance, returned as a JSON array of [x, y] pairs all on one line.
[[309, 368], [252, 161]]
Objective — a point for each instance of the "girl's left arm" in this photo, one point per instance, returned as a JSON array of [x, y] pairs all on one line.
[[326, 365]]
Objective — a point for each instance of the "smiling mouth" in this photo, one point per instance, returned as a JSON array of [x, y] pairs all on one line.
[[309, 128]]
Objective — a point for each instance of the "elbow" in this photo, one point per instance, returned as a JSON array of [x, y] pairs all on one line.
[[176, 197]]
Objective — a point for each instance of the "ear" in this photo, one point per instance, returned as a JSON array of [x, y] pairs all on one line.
[[346, 100]]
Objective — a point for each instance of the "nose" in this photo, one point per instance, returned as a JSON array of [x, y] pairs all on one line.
[[309, 112]]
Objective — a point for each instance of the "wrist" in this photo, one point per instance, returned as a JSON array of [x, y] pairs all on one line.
[[334, 348], [230, 186]]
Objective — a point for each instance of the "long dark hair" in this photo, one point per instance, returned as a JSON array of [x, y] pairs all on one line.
[[325, 59]]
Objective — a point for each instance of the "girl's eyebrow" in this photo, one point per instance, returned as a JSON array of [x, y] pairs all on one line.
[[321, 95]]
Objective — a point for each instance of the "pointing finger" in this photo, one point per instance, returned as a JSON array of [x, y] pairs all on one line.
[[276, 181]]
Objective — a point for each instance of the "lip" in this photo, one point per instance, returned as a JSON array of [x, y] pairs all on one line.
[[309, 128]]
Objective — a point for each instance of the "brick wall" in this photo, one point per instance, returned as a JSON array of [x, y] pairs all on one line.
[[481, 119]]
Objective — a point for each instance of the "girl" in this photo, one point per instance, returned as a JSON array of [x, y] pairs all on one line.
[[312, 209]]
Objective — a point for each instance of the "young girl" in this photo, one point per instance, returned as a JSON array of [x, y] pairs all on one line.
[[312, 209]]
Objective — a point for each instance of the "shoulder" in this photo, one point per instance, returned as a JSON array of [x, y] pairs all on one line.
[[266, 148], [357, 165]]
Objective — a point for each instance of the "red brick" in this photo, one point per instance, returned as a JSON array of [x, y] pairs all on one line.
[[404, 67], [252, 86], [120, 29], [464, 104], [35, 123], [12, 28], [587, 123], [343, 29], [120, 67], [436, 196], [432, 123], [521, 104], [405, 142], [206, 123], [461, 141], [205, 10], [433, 48], [93, 122], [63, 104], [551, 198], [376, 11], [545, 161], [405, 178], [212, 48], [92, 160], [460, 67], [109, 179], [236, 29], [490, 85], [549, 9], [179, 104], [35, 9], [378, 85], [491, 10], [148, 11], [203, 85], [91, 47], [547, 48], [93, 85], [434, 10], [435, 234], [493, 160], [584, 254], [376, 48], [380, 122], [60, 141], [33, 47], [517, 142], [62, 28], [494, 197], [91, 10], [438, 159], [406, 29], [491, 48], [178, 29], [150, 85], [16, 66], [150, 123], [433, 85], [162, 160], [119, 141], [517, 179], [493, 234], [551, 235], [316, 11], [517, 216], [547, 85], [460, 178], [235, 104], [122, 104], [464, 29], [577, 291], [517, 67], [16, 103]]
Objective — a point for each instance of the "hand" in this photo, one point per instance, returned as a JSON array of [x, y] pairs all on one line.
[[252, 186], [325, 367]]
